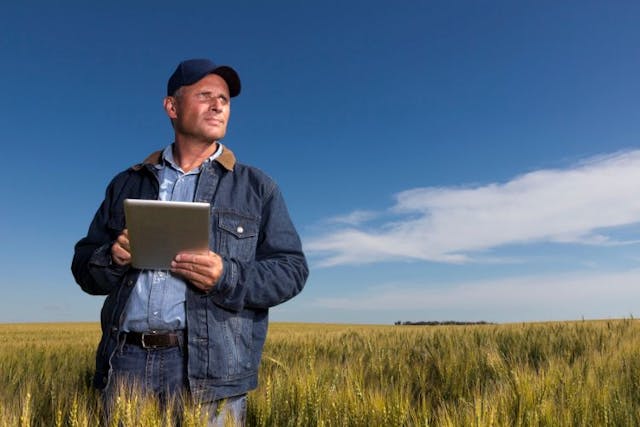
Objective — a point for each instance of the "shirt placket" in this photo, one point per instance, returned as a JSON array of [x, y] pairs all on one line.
[[156, 296], [176, 188]]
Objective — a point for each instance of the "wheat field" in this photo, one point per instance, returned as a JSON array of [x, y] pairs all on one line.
[[584, 373]]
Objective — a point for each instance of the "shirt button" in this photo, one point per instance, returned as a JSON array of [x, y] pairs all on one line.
[[240, 229]]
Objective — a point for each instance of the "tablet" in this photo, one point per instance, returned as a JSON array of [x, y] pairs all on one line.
[[158, 230]]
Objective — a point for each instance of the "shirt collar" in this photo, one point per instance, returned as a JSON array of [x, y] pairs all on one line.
[[167, 157], [226, 158]]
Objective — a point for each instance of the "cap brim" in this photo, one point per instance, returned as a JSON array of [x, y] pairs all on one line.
[[230, 77]]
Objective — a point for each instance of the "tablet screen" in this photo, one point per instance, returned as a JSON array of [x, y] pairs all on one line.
[[158, 230]]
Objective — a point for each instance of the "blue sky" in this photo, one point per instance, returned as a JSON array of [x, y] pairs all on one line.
[[442, 160]]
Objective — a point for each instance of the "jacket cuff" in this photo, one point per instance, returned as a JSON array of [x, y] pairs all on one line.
[[224, 292], [101, 260], [227, 282], [102, 256]]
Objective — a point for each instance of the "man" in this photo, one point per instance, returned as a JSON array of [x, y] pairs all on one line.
[[201, 325]]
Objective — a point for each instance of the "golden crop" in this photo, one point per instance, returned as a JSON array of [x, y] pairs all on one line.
[[547, 374]]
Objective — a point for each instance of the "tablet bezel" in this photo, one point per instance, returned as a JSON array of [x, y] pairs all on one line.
[[159, 229]]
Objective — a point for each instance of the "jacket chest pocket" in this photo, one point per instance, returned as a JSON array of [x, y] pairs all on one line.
[[237, 235]]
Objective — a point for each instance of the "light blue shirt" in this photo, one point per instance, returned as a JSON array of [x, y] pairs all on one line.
[[157, 301]]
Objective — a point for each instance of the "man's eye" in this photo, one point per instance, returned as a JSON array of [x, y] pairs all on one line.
[[208, 97]]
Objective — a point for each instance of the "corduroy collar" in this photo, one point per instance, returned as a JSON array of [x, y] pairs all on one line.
[[227, 159]]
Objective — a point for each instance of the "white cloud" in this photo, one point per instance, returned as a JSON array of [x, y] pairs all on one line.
[[573, 205], [354, 218], [566, 296]]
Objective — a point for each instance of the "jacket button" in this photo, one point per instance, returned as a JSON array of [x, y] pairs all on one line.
[[240, 230]]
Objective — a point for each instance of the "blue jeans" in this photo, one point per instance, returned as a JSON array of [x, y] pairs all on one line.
[[162, 373]]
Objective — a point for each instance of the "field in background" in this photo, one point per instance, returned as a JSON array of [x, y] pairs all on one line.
[[551, 374]]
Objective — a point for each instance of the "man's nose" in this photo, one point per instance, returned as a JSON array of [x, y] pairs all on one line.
[[215, 105]]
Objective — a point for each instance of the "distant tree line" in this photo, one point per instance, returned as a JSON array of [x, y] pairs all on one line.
[[437, 323]]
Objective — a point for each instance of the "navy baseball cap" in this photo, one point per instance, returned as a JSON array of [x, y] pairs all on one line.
[[192, 70]]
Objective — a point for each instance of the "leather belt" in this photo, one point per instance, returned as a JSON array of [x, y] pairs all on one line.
[[153, 339]]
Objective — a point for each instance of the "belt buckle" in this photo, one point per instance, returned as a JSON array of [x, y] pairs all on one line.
[[144, 344]]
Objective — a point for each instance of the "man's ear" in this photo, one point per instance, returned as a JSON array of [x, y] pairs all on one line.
[[170, 107]]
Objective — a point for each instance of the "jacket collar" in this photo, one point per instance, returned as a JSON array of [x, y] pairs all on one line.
[[227, 159]]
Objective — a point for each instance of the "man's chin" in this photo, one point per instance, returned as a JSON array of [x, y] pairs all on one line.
[[216, 134]]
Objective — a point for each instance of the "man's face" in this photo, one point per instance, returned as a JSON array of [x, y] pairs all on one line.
[[201, 110]]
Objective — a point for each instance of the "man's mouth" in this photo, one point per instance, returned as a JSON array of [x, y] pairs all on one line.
[[213, 120]]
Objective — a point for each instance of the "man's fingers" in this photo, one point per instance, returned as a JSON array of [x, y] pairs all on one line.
[[190, 272], [201, 269], [123, 242], [120, 250], [194, 258], [185, 267], [120, 254]]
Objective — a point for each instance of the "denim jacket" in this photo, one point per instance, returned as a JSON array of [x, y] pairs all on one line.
[[263, 266]]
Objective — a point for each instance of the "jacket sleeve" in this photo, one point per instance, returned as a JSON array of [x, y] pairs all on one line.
[[91, 266], [278, 271]]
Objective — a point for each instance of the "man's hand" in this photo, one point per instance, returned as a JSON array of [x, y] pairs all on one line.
[[202, 269], [120, 250]]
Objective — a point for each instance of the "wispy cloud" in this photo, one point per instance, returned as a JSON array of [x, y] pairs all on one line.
[[577, 292], [451, 224], [354, 218]]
